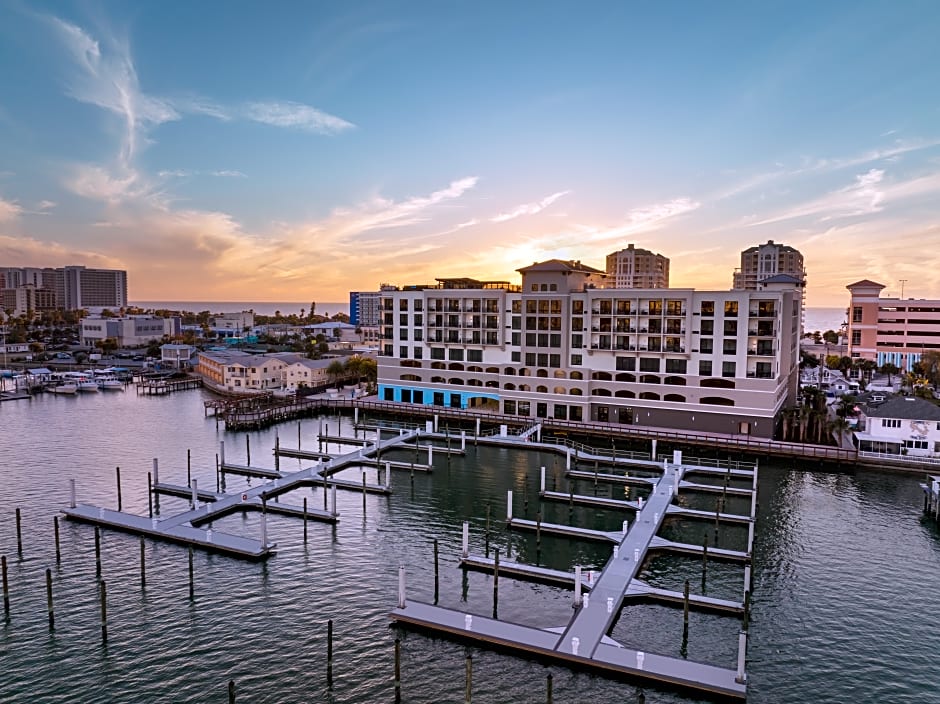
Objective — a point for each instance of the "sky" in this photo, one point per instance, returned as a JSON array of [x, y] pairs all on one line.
[[298, 151]]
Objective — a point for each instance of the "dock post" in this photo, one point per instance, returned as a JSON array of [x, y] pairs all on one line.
[[363, 493], [156, 482], [747, 608], [496, 583], [401, 586], [538, 533], [747, 578], [71, 493], [264, 522], [463, 440], [189, 467], [55, 525], [567, 458], [525, 499], [231, 692], [329, 653], [277, 453], [49, 599], [469, 677], [356, 416], [222, 454], [704, 557], [509, 506], [143, 565], [19, 534], [541, 480], [436, 419], [577, 586], [97, 551], [741, 677], [247, 449], [333, 499], [653, 451], [6, 587], [477, 432], [150, 493], [104, 613], [397, 670], [305, 519], [388, 475], [548, 688], [192, 584], [219, 481], [685, 611], [430, 454], [487, 533], [117, 474], [436, 578], [465, 543]]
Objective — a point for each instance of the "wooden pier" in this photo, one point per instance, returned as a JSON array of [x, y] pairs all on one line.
[[159, 387], [582, 642]]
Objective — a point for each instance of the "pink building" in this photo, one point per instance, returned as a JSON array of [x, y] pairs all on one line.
[[890, 330]]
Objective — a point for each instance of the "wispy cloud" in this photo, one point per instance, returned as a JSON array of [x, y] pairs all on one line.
[[296, 115], [529, 208], [9, 210], [185, 173]]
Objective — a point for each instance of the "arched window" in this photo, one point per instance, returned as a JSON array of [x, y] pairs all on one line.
[[717, 401], [541, 389], [491, 384], [492, 370], [676, 398], [455, 381], [650, 379], [438, 380], [509, 387], [625, 394], [629, 378], [474, 382], [560, 374], [560, 390], [600, 392], [524, 372], [575, 392], [475, 369], [601, 376], [717, 384], [410, 377], [455, 367], [577, 376], [649, 396], [525, 387], [438, 365], [541, 373], [674, 380]]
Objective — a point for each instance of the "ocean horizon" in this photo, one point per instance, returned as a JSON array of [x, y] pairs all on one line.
[[327, 308]]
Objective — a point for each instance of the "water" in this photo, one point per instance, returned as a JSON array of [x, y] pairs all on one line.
[[823, 319], [328, 308], [845, 577]]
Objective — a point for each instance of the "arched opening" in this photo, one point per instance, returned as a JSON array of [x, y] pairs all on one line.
[[560, 390], [410, 363], [509, 387], [577, 376], [601, 376], [625, 394], [455, 367], [674, 380], [491, 384], [410, 377], [717, 401], [600, 392], [438, 380], [649, 396], [455, 381], [438, 365], [474, 382], [629, 378], [475, 370], [541, 373], [560, 374], [575, 392], [650, 379], [492, 370], [676, 398], [541, 389], [524, 372], [509, 371], [717, 384], [525, 387]]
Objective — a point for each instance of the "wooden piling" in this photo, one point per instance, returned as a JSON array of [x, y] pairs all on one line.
[[55, 526], [277, 453], [104, 612], [496, 583], [305, 519], [189, 467], [143, 564], [468, 696], [247, 449], [685, 611], [549, 685], [19, 534], [363, 493], [704, 557], [49, 599], [436, 578], [6, 587], [329, 653], [231, 692], [487, 534], [397, 670], [117, 475], [747, 608], [192, 585], [97, 551], [150, 493]]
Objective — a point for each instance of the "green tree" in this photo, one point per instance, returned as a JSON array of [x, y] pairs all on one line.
[[930, 366], [831, 336], [335, 370], [889, 369]]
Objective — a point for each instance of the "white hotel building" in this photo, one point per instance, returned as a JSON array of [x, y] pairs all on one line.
[[563, 346]]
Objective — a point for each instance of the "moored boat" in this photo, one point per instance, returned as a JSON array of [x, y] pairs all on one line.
[[64, 388]]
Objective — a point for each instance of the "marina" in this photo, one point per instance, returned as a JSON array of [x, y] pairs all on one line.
[[368, 547]]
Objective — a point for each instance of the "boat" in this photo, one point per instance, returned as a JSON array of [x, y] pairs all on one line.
[[88, 385], [63, 388], [111, 384]]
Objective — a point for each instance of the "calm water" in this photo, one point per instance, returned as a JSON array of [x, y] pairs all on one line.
[[844, 605]]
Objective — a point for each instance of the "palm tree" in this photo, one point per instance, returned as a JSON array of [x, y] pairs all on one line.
[[889, 369], [335, 370]]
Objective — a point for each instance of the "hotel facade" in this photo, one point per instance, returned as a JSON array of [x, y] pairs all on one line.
[[890, 330], [565, 346]]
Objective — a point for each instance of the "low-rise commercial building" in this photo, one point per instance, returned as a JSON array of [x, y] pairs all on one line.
[[131, 331]]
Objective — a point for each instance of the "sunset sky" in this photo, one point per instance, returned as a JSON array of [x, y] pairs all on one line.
[[297, 151]]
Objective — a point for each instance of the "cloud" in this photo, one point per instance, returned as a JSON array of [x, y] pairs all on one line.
[[45, 205], [184, 173], [297, 115], [99, 183], [529, 208], [9, 210], [228, 173]]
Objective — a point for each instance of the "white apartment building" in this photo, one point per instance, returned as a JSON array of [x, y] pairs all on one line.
[[561, 346], [899, 425], [764, 261], [130, 331], [238, 371]]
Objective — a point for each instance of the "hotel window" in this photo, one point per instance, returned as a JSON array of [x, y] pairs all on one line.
[[437, 353], [731, 327], [707, 308], [729, 347], [856, 314], [705, 346], [705, 367], [731, 307], [626, 364], [474, 355], [419, 334], [403, 304], [403, 333], [403, 352], [576, 362], [675, 366], [417, 353], [708, 327], [856, 337], [728, 369], [516, 306], [649, 364], [403, 319], [455, 355], [577, 307]]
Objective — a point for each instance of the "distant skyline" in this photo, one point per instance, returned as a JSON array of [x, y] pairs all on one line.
[[297, 151]]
